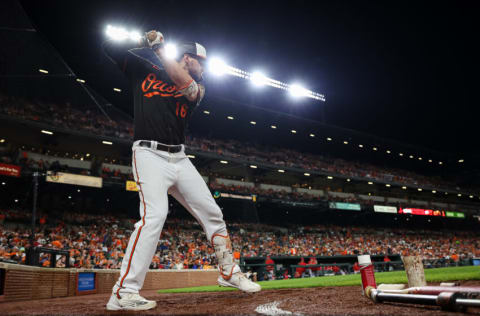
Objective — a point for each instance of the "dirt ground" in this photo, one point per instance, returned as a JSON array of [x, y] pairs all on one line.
[[311, 301]]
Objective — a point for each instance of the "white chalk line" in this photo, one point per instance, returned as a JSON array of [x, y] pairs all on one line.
[[271, 309]]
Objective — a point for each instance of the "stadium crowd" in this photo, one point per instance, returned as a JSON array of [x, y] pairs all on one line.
[[64, 116], [99, 241], [92, 121]]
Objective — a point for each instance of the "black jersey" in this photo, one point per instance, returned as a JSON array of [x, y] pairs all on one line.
[[161, 111]]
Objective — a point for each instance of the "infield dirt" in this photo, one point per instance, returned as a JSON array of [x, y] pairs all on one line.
[[309, 301]]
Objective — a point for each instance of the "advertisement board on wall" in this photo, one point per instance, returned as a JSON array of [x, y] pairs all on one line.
[[345, 206], [455, 214], [86, 283], [10, 170], [385, 209], [76, 179], [131, 186], [421, 211]]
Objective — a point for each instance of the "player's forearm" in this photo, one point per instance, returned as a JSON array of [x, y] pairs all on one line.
[[180, 77]]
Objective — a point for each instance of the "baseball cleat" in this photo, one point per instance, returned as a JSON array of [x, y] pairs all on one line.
[[130, 302], [241, 282]]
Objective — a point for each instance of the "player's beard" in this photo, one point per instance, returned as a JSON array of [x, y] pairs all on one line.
[[195, 76]]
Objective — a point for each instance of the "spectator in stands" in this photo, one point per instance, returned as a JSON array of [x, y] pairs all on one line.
[[93, 121], [99, 241]]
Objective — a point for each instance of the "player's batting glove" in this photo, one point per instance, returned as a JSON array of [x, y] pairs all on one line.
[[154, 39]]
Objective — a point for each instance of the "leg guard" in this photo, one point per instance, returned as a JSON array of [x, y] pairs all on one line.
[[223, 251]]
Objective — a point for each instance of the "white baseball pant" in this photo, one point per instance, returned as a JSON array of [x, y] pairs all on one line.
[[158, 173]]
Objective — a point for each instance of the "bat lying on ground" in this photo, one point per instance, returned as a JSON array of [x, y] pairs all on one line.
[[432, 290], [451, 298]]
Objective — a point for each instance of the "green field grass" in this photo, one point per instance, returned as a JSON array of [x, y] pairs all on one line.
[[432, 275]]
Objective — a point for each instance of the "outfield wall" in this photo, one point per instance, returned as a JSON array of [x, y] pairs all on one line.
[[30, 283]]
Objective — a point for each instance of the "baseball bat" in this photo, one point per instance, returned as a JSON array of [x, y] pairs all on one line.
[[434, 290], [446, 300]]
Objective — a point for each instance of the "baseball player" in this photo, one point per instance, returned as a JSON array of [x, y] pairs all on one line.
[[166, 92]]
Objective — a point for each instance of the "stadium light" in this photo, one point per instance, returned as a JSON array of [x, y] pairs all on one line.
[[400, 154], [273, 127], [461, 160], [419, 189], [433, 191], [387, 185], [348, 180], [46, 132], [389, 152], [293, 131], [253, 122], [224, 162], [43, 71], [297, 91], [230, 117], [117, 90], [345, 142], [191, 156], [312, 135], [329, 177], [420, 158], [171, 51], [404, 188], [2, 140], [217, 66], [253, 166], [105, 142], [121, 34], [375, 148], [306, 174], [258, 79], [471, 196], [206, 112], [80, 80], [116, 33], [459, 195], [430, 160], [281, 170], [370, 182], [329, 139], [411, 156], [360, 145], [135, 36], [440, 163]]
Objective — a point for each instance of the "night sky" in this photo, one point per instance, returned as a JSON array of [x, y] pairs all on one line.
[[402, 70]]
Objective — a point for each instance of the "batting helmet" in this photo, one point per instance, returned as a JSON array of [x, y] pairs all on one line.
[[194, 49]]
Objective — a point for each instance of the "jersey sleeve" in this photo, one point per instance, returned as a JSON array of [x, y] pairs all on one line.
[[129, 59]]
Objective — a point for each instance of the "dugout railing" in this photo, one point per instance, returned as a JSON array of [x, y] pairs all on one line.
[[344, 264]]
